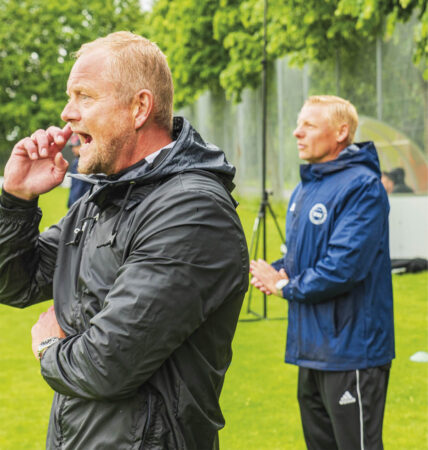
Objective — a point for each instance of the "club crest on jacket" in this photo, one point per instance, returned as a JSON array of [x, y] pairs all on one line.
[[318, 214]]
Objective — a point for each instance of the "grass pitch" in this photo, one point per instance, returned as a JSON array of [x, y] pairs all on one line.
[[259, 396]]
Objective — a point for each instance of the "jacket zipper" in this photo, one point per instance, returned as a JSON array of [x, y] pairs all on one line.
[[146, 428]]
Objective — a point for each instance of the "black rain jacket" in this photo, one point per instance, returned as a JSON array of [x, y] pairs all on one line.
[[148, 272]]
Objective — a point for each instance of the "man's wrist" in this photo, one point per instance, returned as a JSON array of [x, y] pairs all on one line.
[[280, 285], [11, 201], [45, 344]]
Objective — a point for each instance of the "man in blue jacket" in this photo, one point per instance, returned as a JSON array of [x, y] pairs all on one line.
[[336, 277]]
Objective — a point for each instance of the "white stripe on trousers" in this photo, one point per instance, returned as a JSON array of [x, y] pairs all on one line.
[[360, 404]]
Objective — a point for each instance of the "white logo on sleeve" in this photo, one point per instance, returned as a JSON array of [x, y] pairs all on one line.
[[293, 207], [318, 214], [347, 399]]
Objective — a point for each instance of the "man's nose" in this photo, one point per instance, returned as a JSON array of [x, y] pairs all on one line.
[[70, 112], [297, 132]]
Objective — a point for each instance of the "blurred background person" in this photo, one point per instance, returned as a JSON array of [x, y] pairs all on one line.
[[78, 187], [394, 181]]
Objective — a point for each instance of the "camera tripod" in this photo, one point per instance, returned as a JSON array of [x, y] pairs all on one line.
[[260, 222]]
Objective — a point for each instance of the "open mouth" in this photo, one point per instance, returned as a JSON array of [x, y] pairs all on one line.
[[85, 138]]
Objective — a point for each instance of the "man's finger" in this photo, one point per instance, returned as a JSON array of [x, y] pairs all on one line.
[[60, 163], [255, 282], [264, 264], [27, 147], [283, 273], [67, 131], [59, 136], [62, 135], [42, 139]]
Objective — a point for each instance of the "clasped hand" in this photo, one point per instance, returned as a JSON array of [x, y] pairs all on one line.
[[46, 327], [36, 164], [265, 277]]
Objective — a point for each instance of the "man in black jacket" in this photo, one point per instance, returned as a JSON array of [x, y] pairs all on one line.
[[148, 269]]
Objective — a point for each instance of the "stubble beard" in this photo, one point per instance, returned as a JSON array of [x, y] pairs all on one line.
[[103, 157]]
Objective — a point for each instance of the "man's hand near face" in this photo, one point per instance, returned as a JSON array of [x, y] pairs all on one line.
[[265, 277], [36, 164], [46, 327]]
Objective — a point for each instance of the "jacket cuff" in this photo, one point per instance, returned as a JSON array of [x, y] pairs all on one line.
[[278, 264], [9, 201], [287, 292]]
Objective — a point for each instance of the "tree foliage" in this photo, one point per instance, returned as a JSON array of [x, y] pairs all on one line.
[[307, 31], [37, 39], [238, 25], [210, 44], [184, 30]]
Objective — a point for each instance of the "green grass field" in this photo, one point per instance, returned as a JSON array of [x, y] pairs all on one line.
[[259, 395]]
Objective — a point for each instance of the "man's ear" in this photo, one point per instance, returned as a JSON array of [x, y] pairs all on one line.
[[342, 133], [142, 107]]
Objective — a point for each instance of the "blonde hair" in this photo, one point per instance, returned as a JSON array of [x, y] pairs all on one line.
[[340, 111], [135, 63]]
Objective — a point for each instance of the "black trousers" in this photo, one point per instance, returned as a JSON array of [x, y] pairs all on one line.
[[343, 410]]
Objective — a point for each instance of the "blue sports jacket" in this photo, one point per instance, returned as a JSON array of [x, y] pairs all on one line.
[[340, 313]]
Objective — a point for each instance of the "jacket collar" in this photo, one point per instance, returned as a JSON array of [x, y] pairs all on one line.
[[188, 153], [364, 154]]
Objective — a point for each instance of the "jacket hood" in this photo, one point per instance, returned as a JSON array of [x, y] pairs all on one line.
[[189, 153], [355, 154]]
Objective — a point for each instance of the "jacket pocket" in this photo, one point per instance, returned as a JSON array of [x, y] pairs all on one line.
[[82, 424], [344, 313], [160, 432], [147, 425], [54, 438]]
